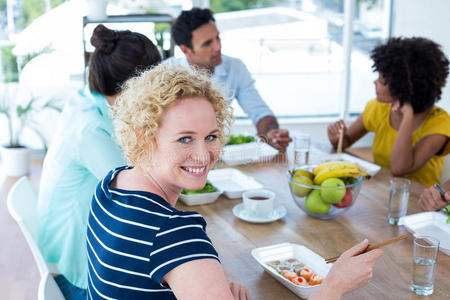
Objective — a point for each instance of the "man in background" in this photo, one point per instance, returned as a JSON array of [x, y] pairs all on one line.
[[195, 32]]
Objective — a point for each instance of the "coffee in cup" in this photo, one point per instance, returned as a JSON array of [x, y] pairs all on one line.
[[259, 202]]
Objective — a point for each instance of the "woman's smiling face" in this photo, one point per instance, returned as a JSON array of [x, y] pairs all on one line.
[[186, 145]]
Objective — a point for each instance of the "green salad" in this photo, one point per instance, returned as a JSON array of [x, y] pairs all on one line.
[[208, 188], [447, 211], [240, 139]]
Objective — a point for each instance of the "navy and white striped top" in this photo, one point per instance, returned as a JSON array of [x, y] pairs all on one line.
[[134, 238]]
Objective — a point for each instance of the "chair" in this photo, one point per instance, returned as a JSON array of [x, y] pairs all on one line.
[[49, 289], [22, 206]]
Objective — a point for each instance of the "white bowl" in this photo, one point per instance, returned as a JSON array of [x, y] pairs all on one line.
[[199, 199]]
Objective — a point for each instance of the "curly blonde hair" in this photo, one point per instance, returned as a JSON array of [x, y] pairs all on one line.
[[138, 110]]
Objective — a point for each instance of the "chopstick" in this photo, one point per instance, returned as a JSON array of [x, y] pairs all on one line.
[[341, 139], [369, 248]]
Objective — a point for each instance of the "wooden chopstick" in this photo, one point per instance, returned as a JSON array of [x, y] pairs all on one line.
[[369, 248], [341, 139]]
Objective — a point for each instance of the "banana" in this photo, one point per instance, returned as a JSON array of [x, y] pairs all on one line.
[[332, 163], [339, 170]]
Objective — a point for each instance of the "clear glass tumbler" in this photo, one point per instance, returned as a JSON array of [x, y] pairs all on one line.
[[424, 263], [398, 199], [302, 144]]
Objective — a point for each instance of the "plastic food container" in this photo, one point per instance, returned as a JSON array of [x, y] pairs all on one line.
[[432, 224], [247, 153], [232, 182], [284, 251], [370, 168], [199, 199]]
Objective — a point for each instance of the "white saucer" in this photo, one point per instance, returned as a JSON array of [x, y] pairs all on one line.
[[277, 213]]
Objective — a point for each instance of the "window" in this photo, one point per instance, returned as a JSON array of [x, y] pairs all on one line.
[[294, 50]]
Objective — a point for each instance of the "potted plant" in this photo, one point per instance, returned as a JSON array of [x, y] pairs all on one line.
[[15, 155]]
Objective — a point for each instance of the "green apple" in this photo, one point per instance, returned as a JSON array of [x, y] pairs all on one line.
[[315, 204], [300, 190], [333, 190]]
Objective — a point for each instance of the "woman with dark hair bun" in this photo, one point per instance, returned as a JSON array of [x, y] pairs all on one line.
[[83, 150], [411, 133]]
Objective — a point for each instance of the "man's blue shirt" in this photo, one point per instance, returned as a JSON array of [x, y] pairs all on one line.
[[236, 82]]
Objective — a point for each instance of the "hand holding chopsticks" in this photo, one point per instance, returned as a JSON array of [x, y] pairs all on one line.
[[369, 248], [352, 271], [341, 139], [336, 134]]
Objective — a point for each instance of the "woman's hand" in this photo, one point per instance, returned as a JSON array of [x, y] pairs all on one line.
[[334, 131], [239, 291], [405, 108], [431, 199], [351, 271]]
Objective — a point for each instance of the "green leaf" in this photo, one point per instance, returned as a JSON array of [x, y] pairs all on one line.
[[447, 211], [240, 139], [208, 188]]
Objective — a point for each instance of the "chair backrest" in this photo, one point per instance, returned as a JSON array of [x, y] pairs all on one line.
[[22, 206], [48, 288]]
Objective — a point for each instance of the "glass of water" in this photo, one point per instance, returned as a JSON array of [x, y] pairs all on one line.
[[424, 262], [398, 199], [302, 143]]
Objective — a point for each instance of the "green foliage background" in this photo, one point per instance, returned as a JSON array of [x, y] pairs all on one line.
[[9, 64], [232, 5], [31, 9]]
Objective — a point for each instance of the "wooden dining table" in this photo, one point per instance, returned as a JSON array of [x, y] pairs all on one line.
[[234, 239]]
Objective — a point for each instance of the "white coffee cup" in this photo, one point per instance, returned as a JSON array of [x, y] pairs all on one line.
[[259, 202]]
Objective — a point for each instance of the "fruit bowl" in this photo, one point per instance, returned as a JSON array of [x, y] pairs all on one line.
[[332, 197]]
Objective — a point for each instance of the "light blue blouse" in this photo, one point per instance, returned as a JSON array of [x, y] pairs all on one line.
[[82, 152], [236, 82]]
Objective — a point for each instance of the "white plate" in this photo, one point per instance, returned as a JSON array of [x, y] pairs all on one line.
[[247, 153], [369, 167], [198, 199], [232, 182], [277, 213], [432, 224], [283, 251]]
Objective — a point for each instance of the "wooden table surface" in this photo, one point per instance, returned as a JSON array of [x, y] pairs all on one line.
[[234, 239]]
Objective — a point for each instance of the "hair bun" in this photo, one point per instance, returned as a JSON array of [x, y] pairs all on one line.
[[104, 39]]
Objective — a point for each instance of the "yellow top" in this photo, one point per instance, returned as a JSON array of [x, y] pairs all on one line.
[[376, 118]]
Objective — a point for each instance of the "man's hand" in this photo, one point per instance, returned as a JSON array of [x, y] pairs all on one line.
[[278, 138]]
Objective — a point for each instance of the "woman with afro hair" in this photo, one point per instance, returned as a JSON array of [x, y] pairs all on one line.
[[411, 133]]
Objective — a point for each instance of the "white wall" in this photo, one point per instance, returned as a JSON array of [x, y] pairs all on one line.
[[427, 19]]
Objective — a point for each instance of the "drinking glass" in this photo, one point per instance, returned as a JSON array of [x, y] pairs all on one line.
[[302, 142], [398, 199], [424, 262]]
